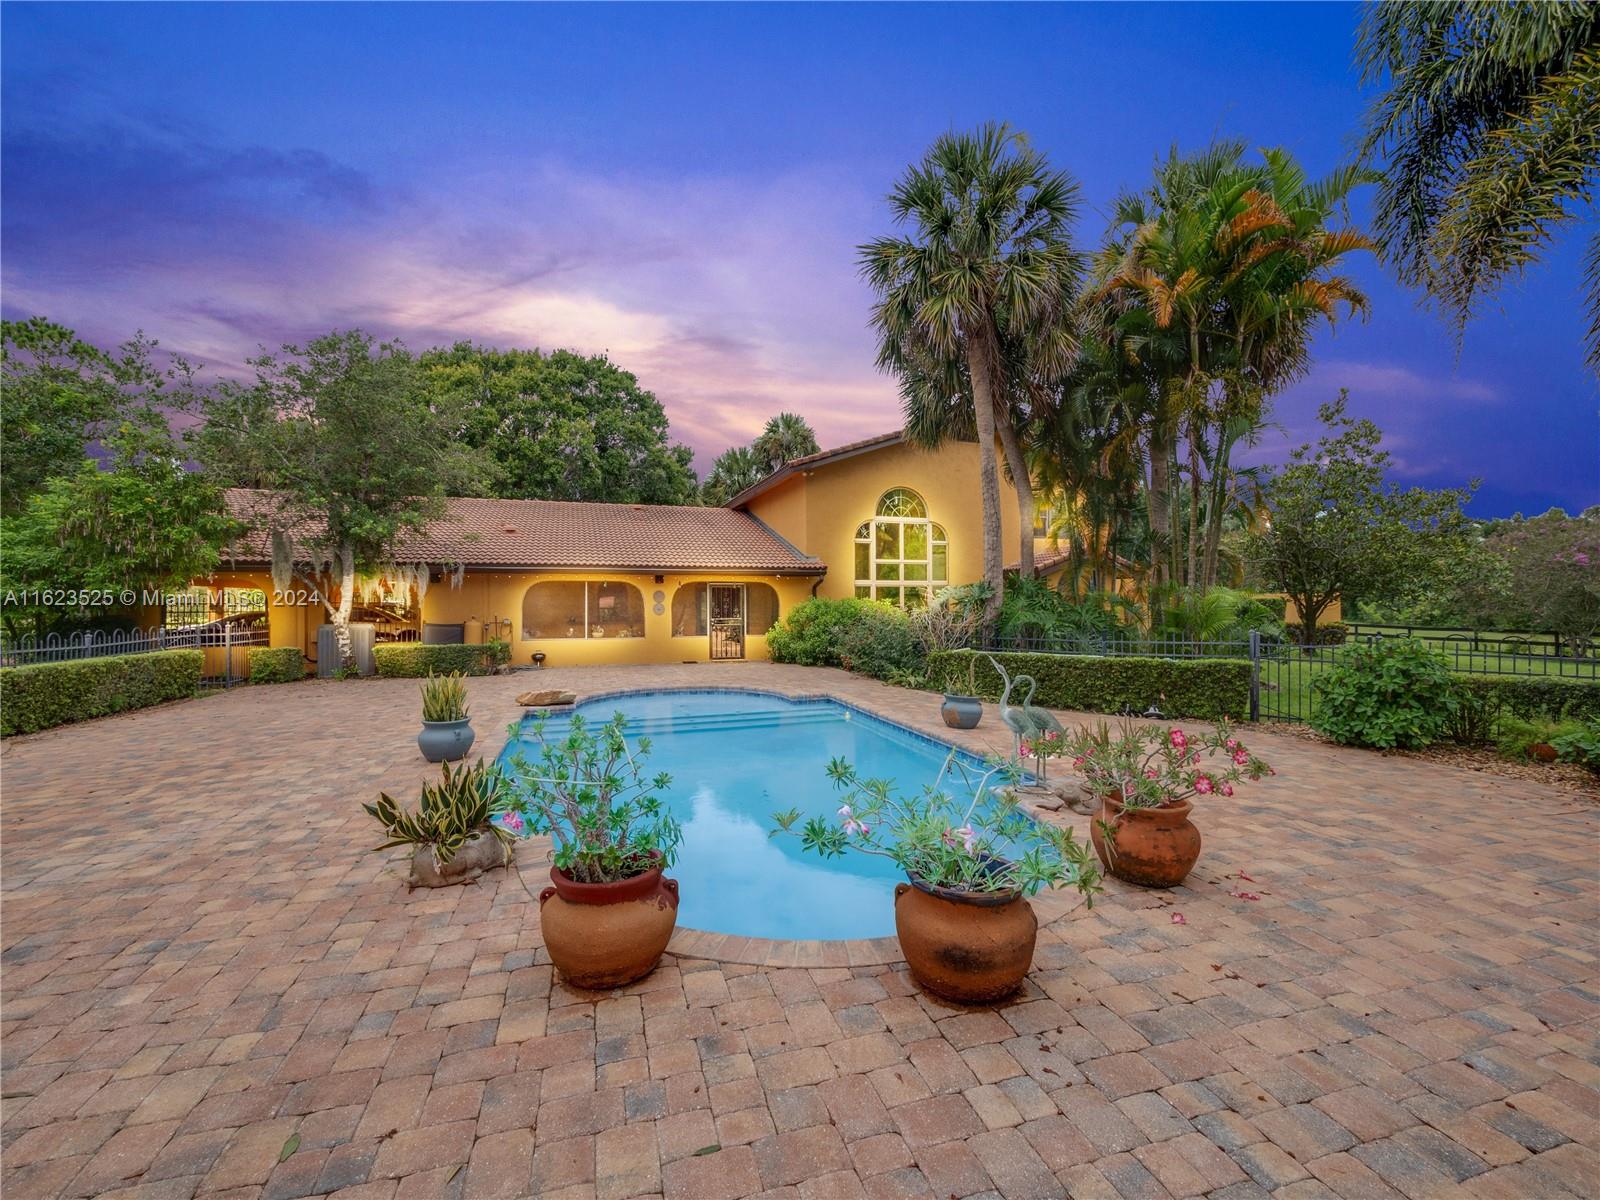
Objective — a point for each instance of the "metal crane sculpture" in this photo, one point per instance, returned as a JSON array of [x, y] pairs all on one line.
[[1027, 721]]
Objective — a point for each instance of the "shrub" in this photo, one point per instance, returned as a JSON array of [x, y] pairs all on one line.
[[1579, 744], [1386, 694], [866, 636], [49, 694], [279, 664], [449, 812], [414, 660], [1515, 737], [1476, 715], [1529, 696], [1203, 688]]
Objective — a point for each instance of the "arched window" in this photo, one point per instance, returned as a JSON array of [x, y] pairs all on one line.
[[558, 608], [901, 556]]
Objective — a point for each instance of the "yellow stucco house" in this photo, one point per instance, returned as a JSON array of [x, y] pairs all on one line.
[[590, 584]]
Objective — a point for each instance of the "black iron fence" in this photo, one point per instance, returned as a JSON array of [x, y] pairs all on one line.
[[224, 648], [1283, 673]]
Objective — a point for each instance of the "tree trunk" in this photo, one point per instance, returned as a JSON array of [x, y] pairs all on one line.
[[980, 365], [1215, 509], [1024, 488], [341, 613], [1159, 499], [1191, 551]]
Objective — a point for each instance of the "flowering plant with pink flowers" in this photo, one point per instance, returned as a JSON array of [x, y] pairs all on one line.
[[1151, 767], [963, 833]]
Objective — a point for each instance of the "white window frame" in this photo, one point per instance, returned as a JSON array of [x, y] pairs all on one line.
[[866, 534]]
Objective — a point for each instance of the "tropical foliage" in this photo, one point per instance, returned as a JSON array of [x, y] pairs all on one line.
[[457, 807], [444, 697], [1488, 132], [588, 790], [1146, 766], [786, 437], [973, 302], [963, 832], [1385, 694]]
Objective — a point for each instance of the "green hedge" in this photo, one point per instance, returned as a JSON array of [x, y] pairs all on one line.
[[49, 694], [1530, 696], [414, 660], [1202, 688], [279, 664]]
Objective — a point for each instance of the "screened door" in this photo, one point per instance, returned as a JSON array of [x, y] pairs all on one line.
[[727, 621]]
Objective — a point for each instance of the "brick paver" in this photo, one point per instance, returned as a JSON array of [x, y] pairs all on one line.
[[209, 986]]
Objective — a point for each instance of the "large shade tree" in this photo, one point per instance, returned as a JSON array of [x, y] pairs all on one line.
[[1339, 528], [88, 534], [974, 297], [353, 449], [561, 426], [1487, 126]]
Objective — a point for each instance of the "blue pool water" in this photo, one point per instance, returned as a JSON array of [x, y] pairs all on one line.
[[737, 757]]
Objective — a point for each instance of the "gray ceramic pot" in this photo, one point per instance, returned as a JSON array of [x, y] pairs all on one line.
[[962, 712], [445, 741]]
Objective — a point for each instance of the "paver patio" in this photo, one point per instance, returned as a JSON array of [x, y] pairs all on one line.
[[210, 987]]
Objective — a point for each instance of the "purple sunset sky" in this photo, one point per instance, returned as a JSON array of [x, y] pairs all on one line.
[[684, 188]]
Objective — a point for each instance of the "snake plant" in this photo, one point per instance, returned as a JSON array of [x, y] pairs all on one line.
[[449, 812], [444, 697]]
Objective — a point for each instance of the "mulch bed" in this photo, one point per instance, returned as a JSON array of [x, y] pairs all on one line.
[[1477, 758]]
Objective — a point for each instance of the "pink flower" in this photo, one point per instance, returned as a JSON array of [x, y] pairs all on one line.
[[854, 826], [1232, 743], [1177, 739], [511, 821], [1227, 789], [1078, 762], [844, 811], [1149, 774], [1240, 757], [1178, 919], [1026, 751], [1202, 784]]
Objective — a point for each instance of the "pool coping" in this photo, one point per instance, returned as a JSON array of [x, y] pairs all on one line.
[[1048, 907]]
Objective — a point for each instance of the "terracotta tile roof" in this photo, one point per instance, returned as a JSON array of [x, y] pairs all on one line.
[[557, 533], [821, 458]]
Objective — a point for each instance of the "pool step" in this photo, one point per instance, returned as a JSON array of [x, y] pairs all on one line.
[[769, 718]]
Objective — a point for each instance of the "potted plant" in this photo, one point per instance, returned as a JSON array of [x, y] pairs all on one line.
[[609, 911], [446, 730], [963, 710], [452, 832], [1146, 778], [949, 623], [971, 859]]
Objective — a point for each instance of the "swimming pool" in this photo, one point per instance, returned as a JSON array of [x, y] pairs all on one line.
[[735, 758]]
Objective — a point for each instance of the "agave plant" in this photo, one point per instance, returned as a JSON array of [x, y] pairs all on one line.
[[444, 697], [449, 812]]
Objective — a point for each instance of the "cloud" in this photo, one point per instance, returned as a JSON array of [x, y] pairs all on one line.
[[1393, 381], [730, 297]]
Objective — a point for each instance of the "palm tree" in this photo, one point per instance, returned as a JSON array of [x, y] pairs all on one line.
[[987, 261], [1212, 283], [787, 436], [1488, 130], [734, 470]]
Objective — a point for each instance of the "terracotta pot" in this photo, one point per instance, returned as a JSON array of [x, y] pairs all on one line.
[[961, 712], [1154, 847], [971, 947], [1542, 751], [603, 935]]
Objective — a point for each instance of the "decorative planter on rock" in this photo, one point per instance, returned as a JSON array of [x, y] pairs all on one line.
[[605, 935], [479, 853], [971, 947], [1153, 847], [961, 712], [445, 741]]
